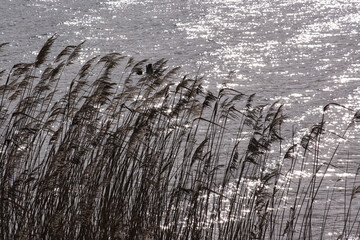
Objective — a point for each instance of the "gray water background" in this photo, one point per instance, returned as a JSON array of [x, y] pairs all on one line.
[[303, 53]]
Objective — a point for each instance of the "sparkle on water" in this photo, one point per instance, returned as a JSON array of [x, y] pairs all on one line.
[[303, 53]]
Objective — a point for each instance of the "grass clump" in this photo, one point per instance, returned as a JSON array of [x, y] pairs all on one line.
[[130, 150]]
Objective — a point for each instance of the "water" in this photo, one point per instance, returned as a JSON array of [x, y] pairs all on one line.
[[303, 53]]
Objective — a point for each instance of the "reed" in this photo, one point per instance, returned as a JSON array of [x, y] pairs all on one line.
[[132, 150]]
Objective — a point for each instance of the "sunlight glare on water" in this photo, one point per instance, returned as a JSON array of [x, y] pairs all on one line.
[[303, 53]]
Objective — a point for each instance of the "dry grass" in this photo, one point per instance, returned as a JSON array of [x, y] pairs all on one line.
[[131, 150]]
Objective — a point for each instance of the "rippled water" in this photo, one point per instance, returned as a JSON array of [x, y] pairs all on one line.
[[303, 53]]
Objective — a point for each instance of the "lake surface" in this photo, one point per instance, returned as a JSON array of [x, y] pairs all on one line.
[[303, 53]]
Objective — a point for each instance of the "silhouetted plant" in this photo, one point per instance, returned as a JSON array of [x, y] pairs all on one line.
[[130, 150]]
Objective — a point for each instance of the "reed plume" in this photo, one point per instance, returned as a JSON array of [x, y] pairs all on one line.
[[133, 150]]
